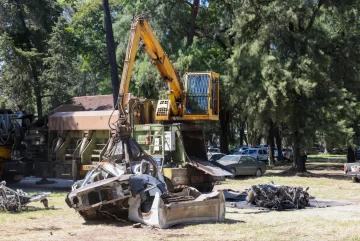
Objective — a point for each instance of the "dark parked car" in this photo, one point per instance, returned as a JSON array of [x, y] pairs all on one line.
[[357, 154], [243, 165], [215, 156]]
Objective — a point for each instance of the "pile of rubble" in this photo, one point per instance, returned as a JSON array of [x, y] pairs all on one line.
[[16, 201], [278, 197], [136, 187]]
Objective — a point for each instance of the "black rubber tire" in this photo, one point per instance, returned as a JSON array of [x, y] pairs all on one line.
[[258, 172], [169, 185], [9, 178], [206, 187], [75, 170], [232, 170]]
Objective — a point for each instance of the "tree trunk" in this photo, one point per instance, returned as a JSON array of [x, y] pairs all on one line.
[[83, 86], [110, 43], [271, 144], [224, 134], [242, 133], [299, 158], [278, 143], [325, 148], [37, 89], [254, 139], [350, 155], [38, 103], [258, 141], [191, 31]]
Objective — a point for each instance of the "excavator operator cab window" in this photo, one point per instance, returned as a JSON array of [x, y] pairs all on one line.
[[197, 94], [202, 96]]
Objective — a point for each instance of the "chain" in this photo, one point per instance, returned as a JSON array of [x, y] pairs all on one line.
[[111, 215]]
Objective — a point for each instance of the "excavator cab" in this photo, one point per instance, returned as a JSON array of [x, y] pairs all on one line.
[[200, 100]]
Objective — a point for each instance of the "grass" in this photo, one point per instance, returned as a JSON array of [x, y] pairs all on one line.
[[324, 180], [323, 156]]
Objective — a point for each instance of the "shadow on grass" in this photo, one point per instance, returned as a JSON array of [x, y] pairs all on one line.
[[226, 221], [291, 173], [330, 166], [51, 228], [258, 212], [177, 226], [322, 169]]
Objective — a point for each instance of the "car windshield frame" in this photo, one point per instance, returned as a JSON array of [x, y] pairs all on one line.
[[229, 158]]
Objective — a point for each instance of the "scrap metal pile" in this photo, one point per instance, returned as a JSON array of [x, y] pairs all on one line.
[[278, 197], [135, 186], [16, 201]]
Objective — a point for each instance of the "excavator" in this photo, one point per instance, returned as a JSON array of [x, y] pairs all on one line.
[[72, 141], [168, 134], [197, 101]]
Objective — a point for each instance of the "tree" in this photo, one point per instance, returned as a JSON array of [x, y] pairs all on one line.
[[111, 52], [25, 27], [63, 66], [285, 55]]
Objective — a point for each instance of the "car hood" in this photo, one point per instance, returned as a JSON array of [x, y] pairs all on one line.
[[226, 162]]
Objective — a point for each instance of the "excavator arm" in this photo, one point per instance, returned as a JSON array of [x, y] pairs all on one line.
[[140, 30], [198, 101]]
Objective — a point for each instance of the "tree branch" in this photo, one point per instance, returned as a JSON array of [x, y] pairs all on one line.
[[43, 96], [312, 20]]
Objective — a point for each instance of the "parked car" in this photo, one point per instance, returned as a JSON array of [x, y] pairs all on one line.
[[352, 170], [357, 153], [286, 152], [259, 153], [215, 156], [233, 150], [243, 165], [213, 150], [264, 146], [241, 150]]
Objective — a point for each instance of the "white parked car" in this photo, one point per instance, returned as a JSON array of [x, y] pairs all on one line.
[[286, 152], [214, 150], [259, 153]]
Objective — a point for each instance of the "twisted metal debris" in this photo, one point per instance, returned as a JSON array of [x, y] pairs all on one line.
[[15, 201], [278, 197]]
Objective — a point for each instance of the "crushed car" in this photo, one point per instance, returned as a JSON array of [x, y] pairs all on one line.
[[352, 170], [278, 197], [134, 186], [16, 201]]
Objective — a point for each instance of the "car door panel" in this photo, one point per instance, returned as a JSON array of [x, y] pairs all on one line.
[[241, 166], [252, 163]]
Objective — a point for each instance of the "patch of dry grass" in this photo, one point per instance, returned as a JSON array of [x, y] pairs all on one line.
[[325, 182]]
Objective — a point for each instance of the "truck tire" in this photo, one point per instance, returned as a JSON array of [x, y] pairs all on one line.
[[75, 170], [11, 178]]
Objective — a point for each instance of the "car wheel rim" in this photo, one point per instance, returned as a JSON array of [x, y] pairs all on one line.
[[258, 172]]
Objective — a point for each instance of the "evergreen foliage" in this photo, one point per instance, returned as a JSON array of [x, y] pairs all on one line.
[[287, 67]]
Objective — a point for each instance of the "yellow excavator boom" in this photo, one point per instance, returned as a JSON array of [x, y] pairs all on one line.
[[140, 29], [197, 102]]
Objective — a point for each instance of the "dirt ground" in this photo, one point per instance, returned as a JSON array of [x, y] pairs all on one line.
[[325, 181]]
